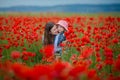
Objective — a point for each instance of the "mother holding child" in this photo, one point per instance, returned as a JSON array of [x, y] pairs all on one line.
[[54, 35]]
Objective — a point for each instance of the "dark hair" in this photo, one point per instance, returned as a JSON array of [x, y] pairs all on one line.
[[48, 37]]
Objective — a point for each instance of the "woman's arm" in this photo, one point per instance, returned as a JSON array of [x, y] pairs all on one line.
[[42, 39]]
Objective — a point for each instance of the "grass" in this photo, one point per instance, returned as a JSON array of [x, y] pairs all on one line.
[[60, 14]]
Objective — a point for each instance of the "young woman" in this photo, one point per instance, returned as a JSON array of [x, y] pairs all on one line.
[[49, 33]]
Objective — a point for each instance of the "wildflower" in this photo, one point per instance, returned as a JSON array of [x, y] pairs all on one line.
[[47, 51], [15, 54]]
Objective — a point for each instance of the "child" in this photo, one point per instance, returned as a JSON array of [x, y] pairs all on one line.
[[62, 26]]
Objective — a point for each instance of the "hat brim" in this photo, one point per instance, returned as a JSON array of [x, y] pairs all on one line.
[[62, 26]]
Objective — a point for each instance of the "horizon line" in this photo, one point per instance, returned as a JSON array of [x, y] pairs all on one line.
[[58, 5]]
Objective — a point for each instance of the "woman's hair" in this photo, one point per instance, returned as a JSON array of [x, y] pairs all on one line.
[[48, 37]]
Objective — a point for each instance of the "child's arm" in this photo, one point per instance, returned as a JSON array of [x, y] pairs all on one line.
[[56, 42]]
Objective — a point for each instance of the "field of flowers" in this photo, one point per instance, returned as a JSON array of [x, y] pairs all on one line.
[[92, 51]]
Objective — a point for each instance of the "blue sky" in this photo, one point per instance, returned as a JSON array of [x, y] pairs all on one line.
[[7, 3]]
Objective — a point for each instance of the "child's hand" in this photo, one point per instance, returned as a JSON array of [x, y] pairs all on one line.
[[64, 43]]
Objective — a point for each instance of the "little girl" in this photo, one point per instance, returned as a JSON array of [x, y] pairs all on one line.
[[62, 26]]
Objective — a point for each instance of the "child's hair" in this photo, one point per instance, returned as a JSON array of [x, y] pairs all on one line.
[[48, 37]]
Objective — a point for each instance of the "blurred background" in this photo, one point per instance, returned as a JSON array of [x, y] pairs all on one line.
[[91, 53], [71, 6]]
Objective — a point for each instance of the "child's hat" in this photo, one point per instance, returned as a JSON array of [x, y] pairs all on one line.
[[64, 24]]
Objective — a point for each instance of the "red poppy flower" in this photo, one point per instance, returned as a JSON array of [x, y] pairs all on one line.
[[25, 58], [85, 39], [115, 40], [22, 71], [117, 64], [92, 74], [15, 54], [77, 71], [99, 66], [109, 61], [0, 52], [47, 50], [108, 52], [87, 52]]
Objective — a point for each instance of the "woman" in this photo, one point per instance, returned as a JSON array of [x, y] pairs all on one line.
[[49, 34], [54, 34]]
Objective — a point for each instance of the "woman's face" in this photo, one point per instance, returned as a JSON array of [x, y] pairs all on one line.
[[54, 30]]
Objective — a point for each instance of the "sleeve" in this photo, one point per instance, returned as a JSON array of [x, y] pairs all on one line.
[[56, 46], [61, 38], [42, 39], [64, 38], [56, 42]]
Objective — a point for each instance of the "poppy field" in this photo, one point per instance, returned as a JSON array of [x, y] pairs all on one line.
[[92, 51]]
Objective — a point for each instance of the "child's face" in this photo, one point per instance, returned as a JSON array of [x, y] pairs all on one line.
[[54, 30], [61, 29]]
